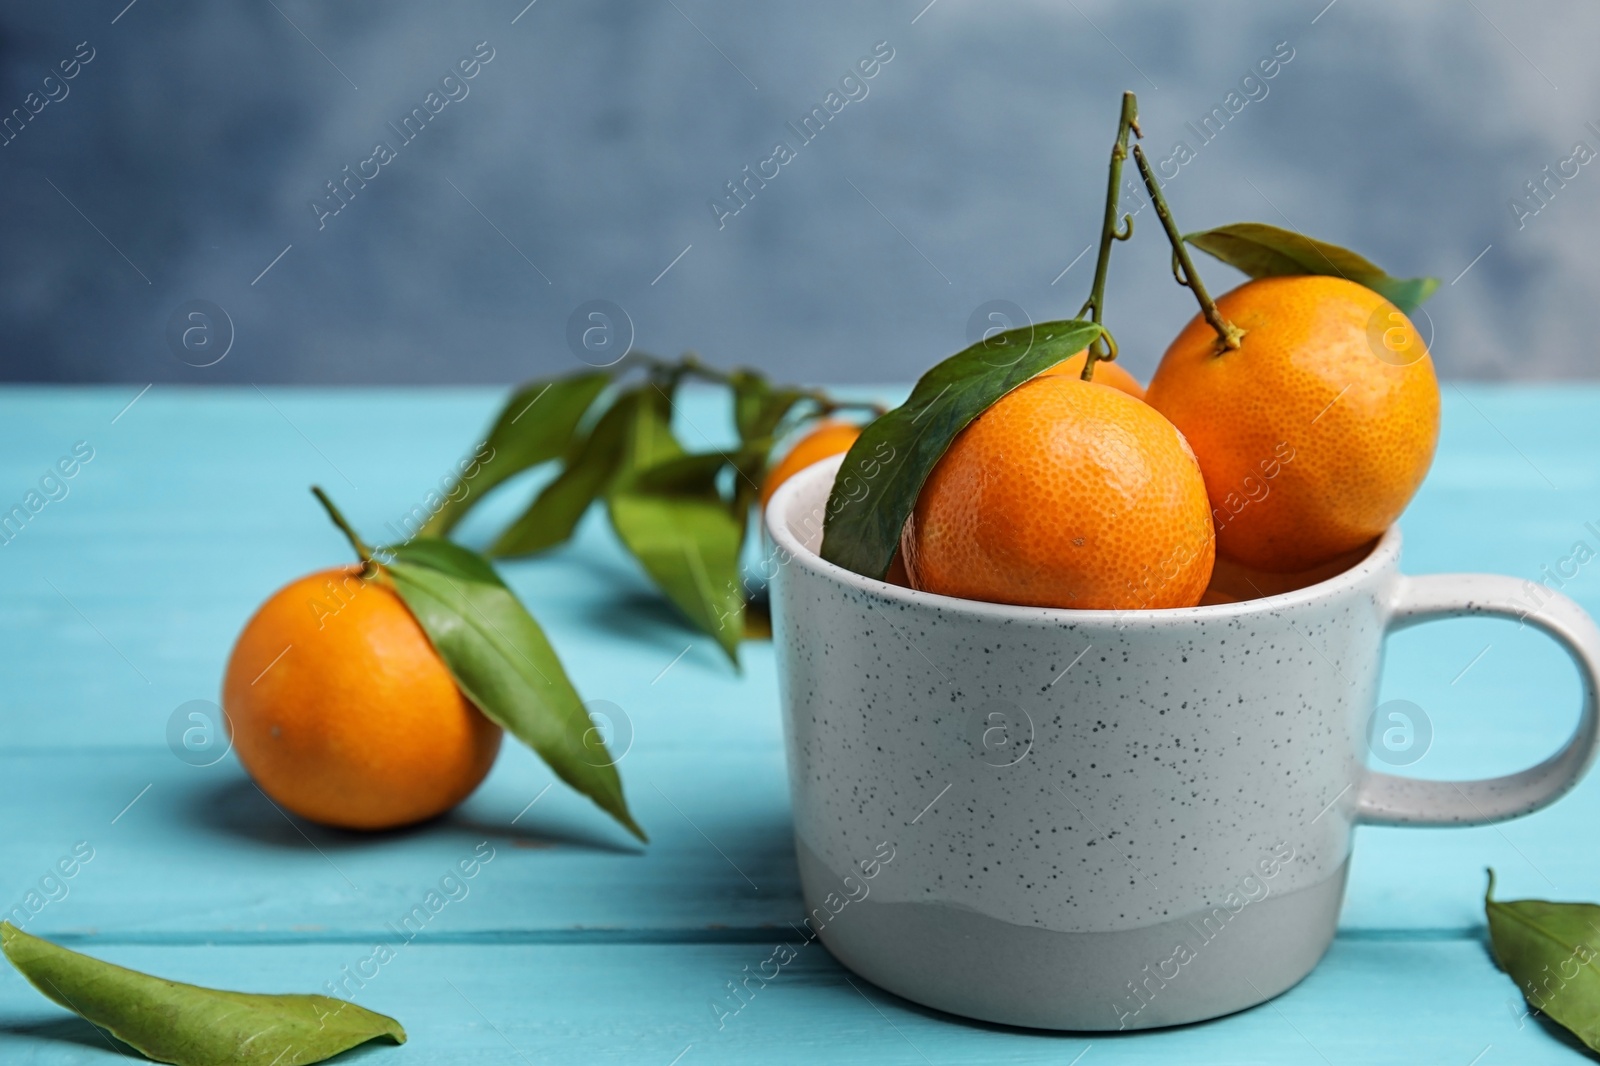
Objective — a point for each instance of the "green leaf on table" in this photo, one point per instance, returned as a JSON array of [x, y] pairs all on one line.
[[1552, 952], [556, 511], [189, 1025], [500, 658], [1264, 251], [689, 545], [535, 426], [882, 475]]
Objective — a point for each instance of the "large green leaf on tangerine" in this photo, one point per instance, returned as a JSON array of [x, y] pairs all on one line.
[[504, 664], [882, 475]]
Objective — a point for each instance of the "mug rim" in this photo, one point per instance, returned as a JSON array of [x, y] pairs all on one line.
[[1384, 555]]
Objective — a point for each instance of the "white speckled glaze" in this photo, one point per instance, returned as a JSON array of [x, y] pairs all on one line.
[[1101, 819]]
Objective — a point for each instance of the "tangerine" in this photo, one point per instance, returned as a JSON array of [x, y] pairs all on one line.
[[1316, 431], [826, 438], [1105, 373], [343, 712], [1064, 493]]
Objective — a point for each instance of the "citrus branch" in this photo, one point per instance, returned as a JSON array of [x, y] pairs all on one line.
[[691, 365], [368, 564], [1109, 232], [1228, 335]]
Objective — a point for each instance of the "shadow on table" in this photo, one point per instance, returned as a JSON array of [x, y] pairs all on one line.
[[237, 808], [81, 1033], [70, 1030], [876, 995], [647, 618]]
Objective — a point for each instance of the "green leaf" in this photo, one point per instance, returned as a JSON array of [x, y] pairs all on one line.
[[758, 407], [534, 427], [504, 664], [1552, 952], [446, 556], [650, 440], [192, 1026], [696, 472], [1264, 251], [556, 511], [689, 545], [882, 474], [666, 511]]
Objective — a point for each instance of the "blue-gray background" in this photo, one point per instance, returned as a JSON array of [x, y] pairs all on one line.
[[185, 156]]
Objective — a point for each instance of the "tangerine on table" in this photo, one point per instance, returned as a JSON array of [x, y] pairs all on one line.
[[1105, 373], [1315, 433], [826, 438], [1064, 493], [343, 713]]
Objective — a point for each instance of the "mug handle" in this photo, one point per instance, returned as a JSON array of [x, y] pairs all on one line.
[[1385, 799]]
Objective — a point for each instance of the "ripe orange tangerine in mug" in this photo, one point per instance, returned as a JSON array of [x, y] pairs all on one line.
[[1316, 431], [829, 437], [1064, 493], [342, 711]]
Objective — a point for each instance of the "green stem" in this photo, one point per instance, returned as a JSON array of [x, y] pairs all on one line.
[[368, 564], [1109, 232], [827, 405], [1228, 335], [690, 364]]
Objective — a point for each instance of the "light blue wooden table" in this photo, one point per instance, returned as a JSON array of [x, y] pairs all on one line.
[[574, 945]]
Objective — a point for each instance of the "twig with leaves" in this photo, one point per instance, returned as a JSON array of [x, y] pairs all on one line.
[[684, 515]]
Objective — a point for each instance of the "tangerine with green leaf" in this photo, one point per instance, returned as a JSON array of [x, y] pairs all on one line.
[[1064, 493], [1316, 431], [343, 712]]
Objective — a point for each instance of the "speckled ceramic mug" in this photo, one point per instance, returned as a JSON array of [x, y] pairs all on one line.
[[1104, 820]]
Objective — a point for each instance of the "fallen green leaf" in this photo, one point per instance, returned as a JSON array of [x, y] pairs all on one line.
[[192, 1026], [1552, 952], [535, 426], [504, 664], [1264, 251], [882, 474]]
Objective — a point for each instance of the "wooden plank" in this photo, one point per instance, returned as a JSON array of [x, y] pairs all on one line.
[[1374, 1002], [202, 854]]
